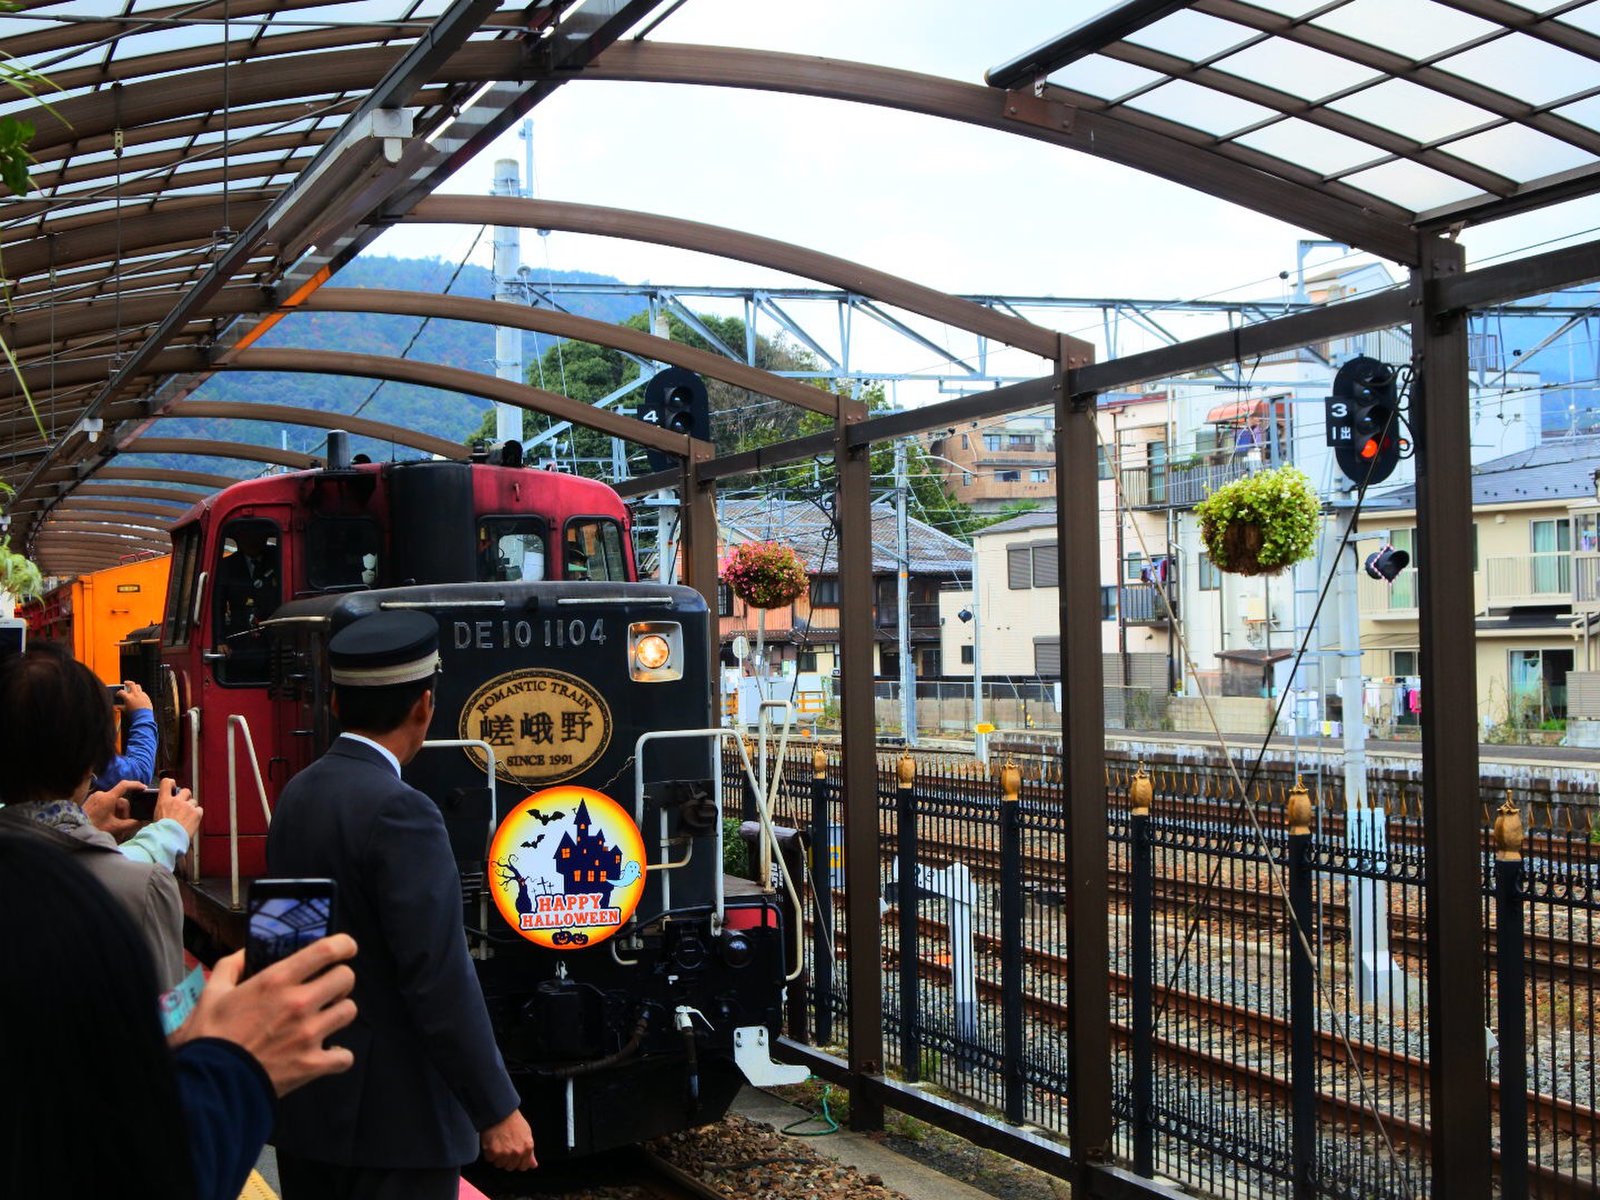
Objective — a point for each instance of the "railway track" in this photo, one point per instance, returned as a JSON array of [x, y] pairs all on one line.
[[632, 1173], [1387, 1072]]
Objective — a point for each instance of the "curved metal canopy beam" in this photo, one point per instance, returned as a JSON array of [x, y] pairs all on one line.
[[133, 528], [104, 541], [80, 505], [471, 383], [215, 449], [288, 415], [173, 500], [129, 473], [746, 247], [582, 329], [171, 226]]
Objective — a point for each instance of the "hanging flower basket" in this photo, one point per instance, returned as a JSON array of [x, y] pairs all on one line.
[[1262, 523], [764, 574], [19, 576]]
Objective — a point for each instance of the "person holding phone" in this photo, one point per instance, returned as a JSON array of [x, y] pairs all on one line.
[[429, 1090], [78, 1019], [55, 736]]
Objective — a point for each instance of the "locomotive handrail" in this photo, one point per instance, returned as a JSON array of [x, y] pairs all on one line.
[[484, 950], [192, 715], [763, 811], [237, 722], [433, 604]]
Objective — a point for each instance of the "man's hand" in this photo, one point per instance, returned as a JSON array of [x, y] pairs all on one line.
[[283, 1015], [508, 1144], [133, 696], [108, 810], [177, 804]]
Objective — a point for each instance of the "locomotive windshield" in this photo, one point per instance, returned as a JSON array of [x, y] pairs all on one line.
[[342, 553], [594, 550], [511, 548]]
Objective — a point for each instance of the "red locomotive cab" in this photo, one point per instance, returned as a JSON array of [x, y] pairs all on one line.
[[240, 555]]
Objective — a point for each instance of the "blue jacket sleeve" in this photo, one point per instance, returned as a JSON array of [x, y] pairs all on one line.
[[140, 760], [228, 1107]]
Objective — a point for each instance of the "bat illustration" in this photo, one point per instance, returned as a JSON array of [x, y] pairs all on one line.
[[533, 845], [544, 817]]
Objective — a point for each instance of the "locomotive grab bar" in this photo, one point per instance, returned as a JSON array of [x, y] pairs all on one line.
[[192, 715], [763, 811], [483, 951], [236, 721]]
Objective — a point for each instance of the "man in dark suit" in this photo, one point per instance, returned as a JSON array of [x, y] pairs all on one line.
[[429, 1088]]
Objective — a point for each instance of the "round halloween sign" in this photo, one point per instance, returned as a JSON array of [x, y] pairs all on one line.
[[567, 867]]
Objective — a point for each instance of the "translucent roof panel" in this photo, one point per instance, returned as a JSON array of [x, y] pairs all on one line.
[[1416, 29], [1525, 68], [1192, 36], [1322, 150], [1296, 69], [1417, 187], [1201, 107], [1416, 112], [1105, 77], [1521, 154]]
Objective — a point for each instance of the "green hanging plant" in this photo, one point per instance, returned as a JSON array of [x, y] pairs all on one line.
[[20, 576], [1262, 523]]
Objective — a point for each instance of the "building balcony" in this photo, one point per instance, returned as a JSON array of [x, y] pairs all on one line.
[[1142, 604], [1183, 485], [1529, 580], [922, 616], [1377, 598], [1586, 582]]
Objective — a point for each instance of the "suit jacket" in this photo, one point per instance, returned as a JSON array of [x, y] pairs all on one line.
[[427, 1076]]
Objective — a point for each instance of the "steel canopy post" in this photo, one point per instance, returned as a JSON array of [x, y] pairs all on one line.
[[864, 936], [1083, 772], [1459, 1092], [697, 503]]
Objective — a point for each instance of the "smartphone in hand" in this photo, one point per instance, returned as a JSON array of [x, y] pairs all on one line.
[[142, 803], [283, 915]]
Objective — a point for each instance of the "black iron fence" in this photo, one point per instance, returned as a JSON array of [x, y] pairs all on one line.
[[1269, 1006]]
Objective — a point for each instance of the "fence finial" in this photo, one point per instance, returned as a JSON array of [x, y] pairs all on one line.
[[908, 768], [819, 762], [1298, 807], [1508, 831], [1010, 781], [1140, 792]]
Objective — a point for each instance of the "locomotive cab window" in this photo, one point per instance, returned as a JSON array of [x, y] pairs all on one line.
[[342, 553], [180, 592], [593, 550], [248, 590], [511, 549]]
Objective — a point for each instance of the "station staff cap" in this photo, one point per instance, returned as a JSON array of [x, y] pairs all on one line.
[[385, 649]]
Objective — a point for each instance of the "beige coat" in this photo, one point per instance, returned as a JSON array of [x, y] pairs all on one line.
[[149, 893]]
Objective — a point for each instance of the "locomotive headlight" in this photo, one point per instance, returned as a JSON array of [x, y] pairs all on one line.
[[655, 651]]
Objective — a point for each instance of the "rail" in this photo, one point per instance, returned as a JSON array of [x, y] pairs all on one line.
[[239, 726]]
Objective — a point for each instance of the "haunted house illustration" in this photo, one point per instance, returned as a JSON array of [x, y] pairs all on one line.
[[585, 862]]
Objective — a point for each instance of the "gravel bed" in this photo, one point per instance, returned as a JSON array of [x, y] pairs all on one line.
[[747, 1160]]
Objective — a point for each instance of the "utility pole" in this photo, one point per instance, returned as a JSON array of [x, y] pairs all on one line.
[[1379, 979], [666, 560], [908, 668], [980, 741], [507, 341]]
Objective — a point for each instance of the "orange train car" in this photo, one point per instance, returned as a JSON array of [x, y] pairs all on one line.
[[92, 614]]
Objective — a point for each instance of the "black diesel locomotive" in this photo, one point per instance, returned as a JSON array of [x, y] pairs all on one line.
[[632, 986]]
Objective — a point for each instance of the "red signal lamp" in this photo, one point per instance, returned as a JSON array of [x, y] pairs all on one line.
[[1369, 448]]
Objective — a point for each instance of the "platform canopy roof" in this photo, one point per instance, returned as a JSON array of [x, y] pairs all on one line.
[[201, 168]]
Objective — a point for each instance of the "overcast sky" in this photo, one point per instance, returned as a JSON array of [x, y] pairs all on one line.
[[958, 208]]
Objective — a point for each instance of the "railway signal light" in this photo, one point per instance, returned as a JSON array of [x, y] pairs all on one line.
[[1387, 563], [675, 400], [1363, 420]]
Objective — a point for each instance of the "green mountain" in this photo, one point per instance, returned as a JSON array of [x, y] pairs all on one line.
[[452, 343]]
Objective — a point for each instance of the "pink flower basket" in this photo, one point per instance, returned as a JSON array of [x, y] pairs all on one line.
[[764, 574]]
